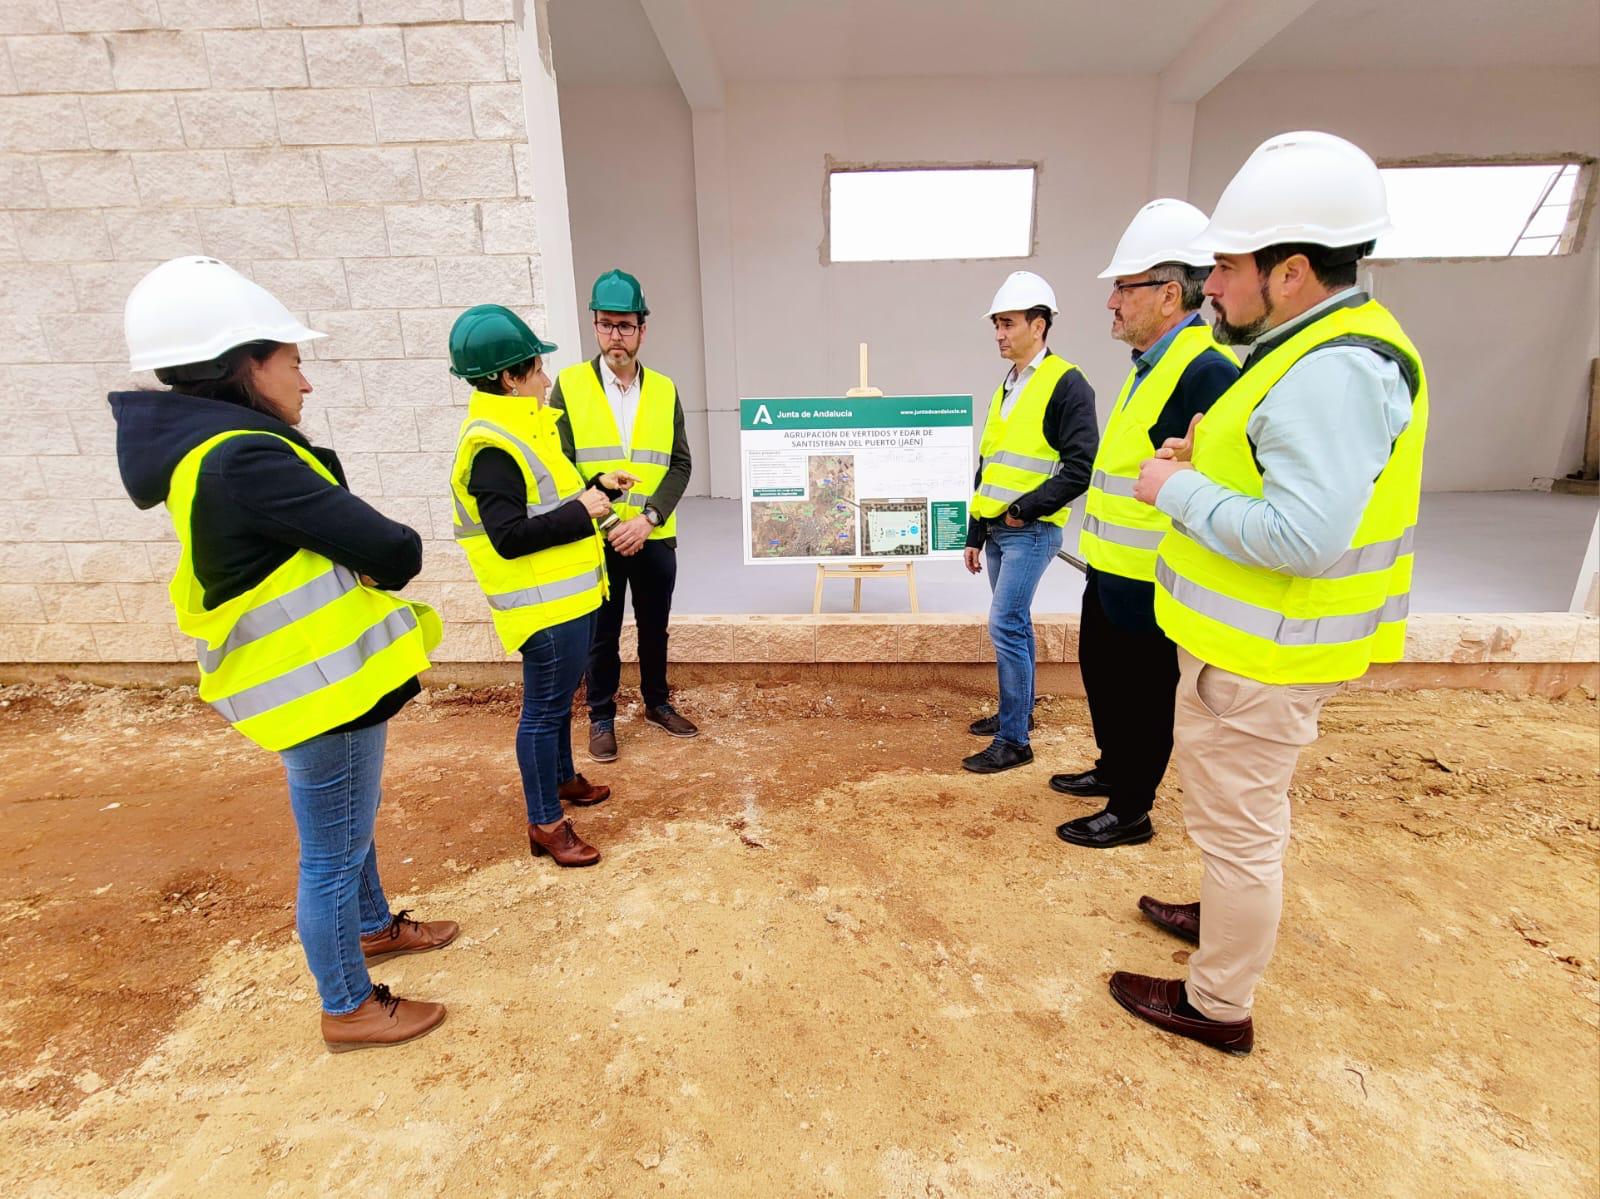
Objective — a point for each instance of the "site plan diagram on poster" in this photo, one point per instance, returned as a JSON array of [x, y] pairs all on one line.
[[860, 477]]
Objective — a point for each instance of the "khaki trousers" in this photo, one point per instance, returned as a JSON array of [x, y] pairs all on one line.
[[1236, 742]]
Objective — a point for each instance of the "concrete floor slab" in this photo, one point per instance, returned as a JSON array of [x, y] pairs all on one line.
[[1498, 551]]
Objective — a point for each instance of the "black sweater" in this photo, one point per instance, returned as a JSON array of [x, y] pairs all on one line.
[[1073, 432], [257, 503]]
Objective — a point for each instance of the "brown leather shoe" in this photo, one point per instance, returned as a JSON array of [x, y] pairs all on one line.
[[1179, 919], [405, 935], [582, 792], [384, 1019], [603, 742], [1162, 1002], [672, 720], [562, 844]]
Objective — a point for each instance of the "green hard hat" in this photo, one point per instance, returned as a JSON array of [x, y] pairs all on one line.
[[617, 291], [490, 337]]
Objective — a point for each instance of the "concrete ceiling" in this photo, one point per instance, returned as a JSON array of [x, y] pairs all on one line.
[[611, 42], [830, 39], [1349, 35]]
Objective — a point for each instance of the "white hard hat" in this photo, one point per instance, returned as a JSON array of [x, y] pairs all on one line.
[[1021, 291], [1299, 187], [194, 309], [1160, 232]]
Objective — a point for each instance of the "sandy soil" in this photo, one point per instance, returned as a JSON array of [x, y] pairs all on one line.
[[818, 959]]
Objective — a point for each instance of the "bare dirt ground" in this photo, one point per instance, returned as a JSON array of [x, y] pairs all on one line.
[[818, 959]]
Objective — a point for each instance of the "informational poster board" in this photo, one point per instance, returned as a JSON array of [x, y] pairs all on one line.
[[865, 477]]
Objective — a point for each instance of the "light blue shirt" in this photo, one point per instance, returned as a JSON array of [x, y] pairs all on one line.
[[1144, 363], [1322, 436]]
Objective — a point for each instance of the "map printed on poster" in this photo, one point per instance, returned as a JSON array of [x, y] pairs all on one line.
[[863, 477]]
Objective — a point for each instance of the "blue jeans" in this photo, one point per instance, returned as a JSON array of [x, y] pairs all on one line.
[[334, 792], [1016, 559], [553, 662]]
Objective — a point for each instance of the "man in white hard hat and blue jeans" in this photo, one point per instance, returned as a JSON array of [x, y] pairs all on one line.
[[1130, 667], [1038, 443], [1287, 571]]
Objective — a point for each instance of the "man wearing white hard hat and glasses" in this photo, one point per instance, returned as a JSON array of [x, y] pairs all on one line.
[[1038, 443], [1287, 571], [1130, 667]]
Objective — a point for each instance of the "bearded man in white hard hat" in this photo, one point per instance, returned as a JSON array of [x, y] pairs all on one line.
[[1288, 568], [1130, 667], [1038, 443]]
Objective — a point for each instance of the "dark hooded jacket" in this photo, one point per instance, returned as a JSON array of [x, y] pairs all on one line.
[[256, 503]]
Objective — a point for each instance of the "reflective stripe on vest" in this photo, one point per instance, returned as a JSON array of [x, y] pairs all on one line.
[[1274, 626], [313, 676], [550, 586], [1119, 534], [307, 649], [1270, 625], [1014, 456], [597, 440]]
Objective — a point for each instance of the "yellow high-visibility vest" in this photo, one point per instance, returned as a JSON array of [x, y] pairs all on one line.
[[1119, 534], [1278, 627], [305, 650], [598, 443], [548, 587], [1013, 455]]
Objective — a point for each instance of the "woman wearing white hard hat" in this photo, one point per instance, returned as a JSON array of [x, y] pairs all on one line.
[[1130, 668], [1287, 571], [282, 581], [1038, 442]]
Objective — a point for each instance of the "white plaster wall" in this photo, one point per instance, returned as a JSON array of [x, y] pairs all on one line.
[[631, 194], [799, 320], [1507, 343]]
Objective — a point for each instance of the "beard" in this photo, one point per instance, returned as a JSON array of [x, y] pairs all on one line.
[[1238, 335]]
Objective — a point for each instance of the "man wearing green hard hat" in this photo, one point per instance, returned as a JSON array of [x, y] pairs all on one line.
[[622, 417], [526, 520]]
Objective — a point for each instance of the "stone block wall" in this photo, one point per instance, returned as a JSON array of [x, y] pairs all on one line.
[[365, 160]]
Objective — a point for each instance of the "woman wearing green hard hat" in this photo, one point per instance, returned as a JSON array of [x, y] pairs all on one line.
[[527, 524]]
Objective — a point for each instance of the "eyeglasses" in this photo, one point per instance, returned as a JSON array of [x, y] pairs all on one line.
[[1124, 288], [626, 328]]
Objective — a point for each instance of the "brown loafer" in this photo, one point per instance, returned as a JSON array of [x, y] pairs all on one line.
[[672, 720], [582, 792], [562, 844], [405, 935], [1179, 919], [1162, 1002], [603, 743], [383, 1019]]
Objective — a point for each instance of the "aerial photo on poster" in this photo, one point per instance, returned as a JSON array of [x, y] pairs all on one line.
[[857, 477]]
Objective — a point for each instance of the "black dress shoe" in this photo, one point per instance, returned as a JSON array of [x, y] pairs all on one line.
[[1086, 783], [989, 726], [1164, 1003], [998, 755], [1179, 919], [1103, 830]]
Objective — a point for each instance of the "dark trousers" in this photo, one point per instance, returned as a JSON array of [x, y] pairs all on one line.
[[1131, 678], [651, 574]]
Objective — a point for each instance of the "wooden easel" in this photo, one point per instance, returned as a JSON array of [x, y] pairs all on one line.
[[866, 570], [856, 571]]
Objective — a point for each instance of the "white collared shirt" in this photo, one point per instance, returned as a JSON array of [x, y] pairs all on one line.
[[1017, 380], [624, 400]]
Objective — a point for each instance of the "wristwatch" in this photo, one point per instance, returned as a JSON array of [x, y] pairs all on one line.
[[651, 515]]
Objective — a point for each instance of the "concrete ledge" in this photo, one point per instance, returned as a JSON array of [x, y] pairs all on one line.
[[1539, 652]]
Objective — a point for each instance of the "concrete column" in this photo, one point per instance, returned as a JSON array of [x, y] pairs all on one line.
[[547, 170], [716, 298]]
